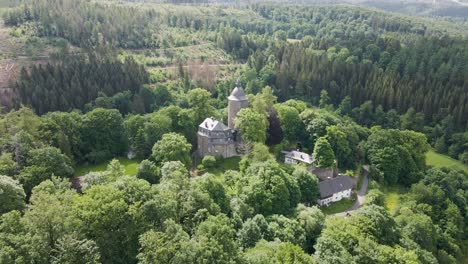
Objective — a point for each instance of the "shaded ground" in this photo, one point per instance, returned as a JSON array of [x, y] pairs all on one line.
[[224, 165]]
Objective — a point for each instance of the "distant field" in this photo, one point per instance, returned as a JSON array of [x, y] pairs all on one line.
[[131, 167], [439, 160]]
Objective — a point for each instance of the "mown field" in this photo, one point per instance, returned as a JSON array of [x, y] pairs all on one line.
[[439, 160]]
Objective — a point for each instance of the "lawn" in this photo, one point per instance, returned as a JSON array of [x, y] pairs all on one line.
[[439, 160], [337, 207], [392, 196], [131, 167], [226, 164]]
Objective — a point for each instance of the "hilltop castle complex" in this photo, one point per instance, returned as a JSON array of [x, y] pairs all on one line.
[[217, 139]]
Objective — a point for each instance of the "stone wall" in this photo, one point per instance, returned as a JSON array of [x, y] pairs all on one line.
[[205, 148]]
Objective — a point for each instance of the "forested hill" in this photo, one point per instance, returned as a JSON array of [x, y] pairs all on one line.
[[108, 96], [383, 62], [445, 8]]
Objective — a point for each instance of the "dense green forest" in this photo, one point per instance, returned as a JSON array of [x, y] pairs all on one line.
[[162, 215], [394, 62], [350, 86], [78, 81]]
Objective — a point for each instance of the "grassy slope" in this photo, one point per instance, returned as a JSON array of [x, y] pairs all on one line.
[[439, 160], [131, 167]]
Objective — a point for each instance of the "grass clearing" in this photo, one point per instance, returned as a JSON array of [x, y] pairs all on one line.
[[337, 207], [440, 160], [392, 196], [130, 166], [226, 164]]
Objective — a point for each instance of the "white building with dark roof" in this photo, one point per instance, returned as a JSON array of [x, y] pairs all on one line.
[[217, 139], [296, 157], [335, 189]]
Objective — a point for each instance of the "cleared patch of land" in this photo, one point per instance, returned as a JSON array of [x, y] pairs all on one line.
[[392, 196], [440, 160], [130, 166]]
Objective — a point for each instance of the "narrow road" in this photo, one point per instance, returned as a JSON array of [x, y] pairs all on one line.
[[361, 195]]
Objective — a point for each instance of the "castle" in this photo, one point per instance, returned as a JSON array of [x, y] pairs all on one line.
[[217, 139]]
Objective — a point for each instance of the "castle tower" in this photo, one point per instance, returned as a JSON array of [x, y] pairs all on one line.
[[237, 101]]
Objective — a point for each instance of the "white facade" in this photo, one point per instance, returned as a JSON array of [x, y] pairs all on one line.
[[290, 161], [296, 157], [335, 197]]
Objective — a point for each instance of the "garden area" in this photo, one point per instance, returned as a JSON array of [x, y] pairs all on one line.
[[337, 207]]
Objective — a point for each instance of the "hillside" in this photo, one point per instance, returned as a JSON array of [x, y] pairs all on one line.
[[444, 8], [253, 132]]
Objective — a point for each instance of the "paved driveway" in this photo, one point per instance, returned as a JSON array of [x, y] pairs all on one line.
[[361, 195]]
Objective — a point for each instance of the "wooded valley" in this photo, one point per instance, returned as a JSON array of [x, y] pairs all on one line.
[[365, 93]]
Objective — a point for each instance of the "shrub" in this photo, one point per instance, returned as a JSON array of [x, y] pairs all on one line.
[[209, 162]]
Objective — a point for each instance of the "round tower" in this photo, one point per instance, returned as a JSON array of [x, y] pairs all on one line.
[[237, 101]]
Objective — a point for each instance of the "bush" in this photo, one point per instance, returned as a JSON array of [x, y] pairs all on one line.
[[376, 197], [148, 171], [209, 162]]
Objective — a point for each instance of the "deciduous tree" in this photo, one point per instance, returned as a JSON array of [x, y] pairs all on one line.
[[172, 147], [251, 125], [323, 154], [12, 196]]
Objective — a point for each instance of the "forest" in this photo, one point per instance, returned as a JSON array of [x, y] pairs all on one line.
[[110, 80]]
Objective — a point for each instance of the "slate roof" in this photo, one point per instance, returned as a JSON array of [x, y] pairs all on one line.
[[238, 94], [329, 187], [300, 156], [213, 125]]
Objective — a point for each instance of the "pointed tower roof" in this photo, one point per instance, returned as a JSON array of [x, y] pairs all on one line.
[[213, 125], [238, 93]]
